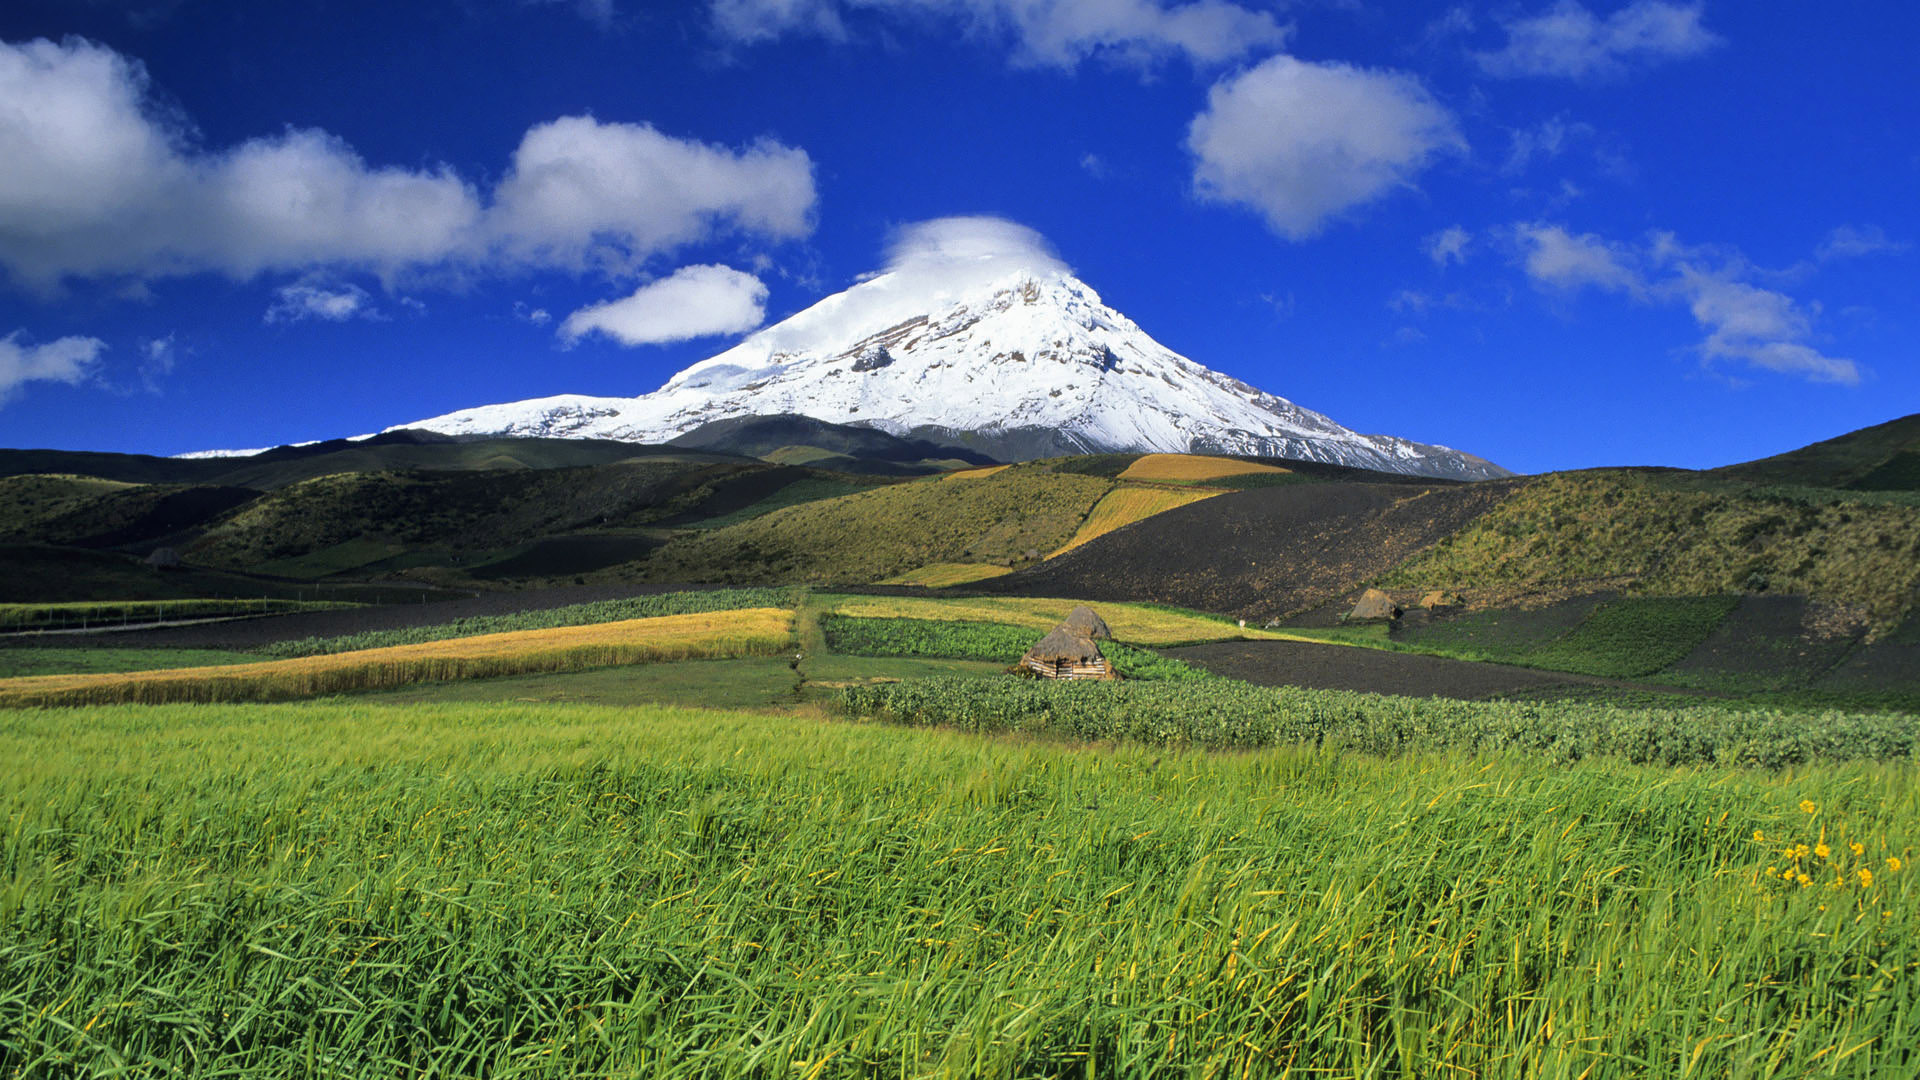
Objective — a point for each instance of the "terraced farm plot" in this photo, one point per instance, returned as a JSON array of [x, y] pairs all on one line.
[[1193, 468], [753, 632], [1125, 505], [1637, 636]]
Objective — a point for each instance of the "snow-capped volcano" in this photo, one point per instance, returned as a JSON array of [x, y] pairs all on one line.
[[1014, 357]]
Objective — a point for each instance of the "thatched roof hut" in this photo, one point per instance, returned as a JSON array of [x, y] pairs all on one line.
[[1374, 604], [1065, 654], [1083, 621]]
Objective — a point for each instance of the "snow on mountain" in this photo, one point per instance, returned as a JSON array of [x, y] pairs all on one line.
[[1011, 356]]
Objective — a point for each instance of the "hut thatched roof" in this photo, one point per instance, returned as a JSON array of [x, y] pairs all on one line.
[[1085, 622], [1064, 644]]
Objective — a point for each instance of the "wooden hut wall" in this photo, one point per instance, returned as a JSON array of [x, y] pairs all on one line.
[[1098, 668]]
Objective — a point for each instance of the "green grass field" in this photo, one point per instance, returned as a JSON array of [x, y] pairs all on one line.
[[518, 890], [54, 660]]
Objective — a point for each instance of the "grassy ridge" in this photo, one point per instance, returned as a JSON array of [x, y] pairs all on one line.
[[1578, 532], [980, 641], [753, 632], [691, 602], [517, 891], [1225, 714]]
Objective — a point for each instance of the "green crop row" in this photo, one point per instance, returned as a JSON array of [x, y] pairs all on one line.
[[693, 602], [1227, 714], [957, 640], [91, 613]]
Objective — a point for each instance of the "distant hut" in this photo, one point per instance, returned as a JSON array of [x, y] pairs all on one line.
[[1066, 654], [1083, 621], [1374, 604], [164, 558]]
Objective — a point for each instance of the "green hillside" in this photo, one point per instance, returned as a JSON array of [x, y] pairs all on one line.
[[1885, 457], [1574, 533], [982, 516]]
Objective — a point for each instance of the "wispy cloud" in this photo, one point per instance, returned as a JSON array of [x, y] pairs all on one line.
[[1744, 322], [304, 300], [1042, 33], [1569, 41], [1303, 143], [1448, 245]]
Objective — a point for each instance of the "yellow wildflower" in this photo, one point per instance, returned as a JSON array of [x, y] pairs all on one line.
[[1822, 850], [1807, 807], [1858, 848], [1805, 881], [1893, 864], [1759, 837], [1866, 877], [1800, 851], [1772, 870]]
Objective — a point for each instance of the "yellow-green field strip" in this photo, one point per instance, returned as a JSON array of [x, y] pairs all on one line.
[[749, 632], [1134, 623]]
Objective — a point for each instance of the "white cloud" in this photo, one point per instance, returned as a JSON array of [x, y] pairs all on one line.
[[1302, 142], [953, 243], [69, 360], [538, 316], [1568, 41], [1046, 33], [1744, 322], [1546, 140], [305, 300], [1448, 245], [582, 193], [697, 301], [1558, 258], [1852, 242], [157, 357], [98, 183], [1094, 165]]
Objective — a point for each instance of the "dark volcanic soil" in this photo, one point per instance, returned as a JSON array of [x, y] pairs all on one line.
[[253, 633], [1343, 667], [1264, 553]]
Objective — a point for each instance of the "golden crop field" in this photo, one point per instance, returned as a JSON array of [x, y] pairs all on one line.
[[749, 632], [1192, 467], [1135, 623], [1125, 505], [940, 575], [976, 474]]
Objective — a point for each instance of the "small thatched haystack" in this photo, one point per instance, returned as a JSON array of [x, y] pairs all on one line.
[[164, 559], [1083, 621], [1065, 654], [1374, 604]]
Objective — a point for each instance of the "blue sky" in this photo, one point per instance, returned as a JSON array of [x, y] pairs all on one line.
[[1556, 233]]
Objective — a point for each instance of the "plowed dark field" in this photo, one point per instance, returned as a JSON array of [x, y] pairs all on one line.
[[1343, 667], [1261, 554]]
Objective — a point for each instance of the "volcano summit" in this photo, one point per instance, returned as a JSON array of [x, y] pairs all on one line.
[[1008, 354]]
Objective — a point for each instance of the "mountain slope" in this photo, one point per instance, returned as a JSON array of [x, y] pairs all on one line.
[[1017, 362]]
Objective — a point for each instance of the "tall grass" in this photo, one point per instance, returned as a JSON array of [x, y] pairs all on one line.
[[753, 632], [348, 890]]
